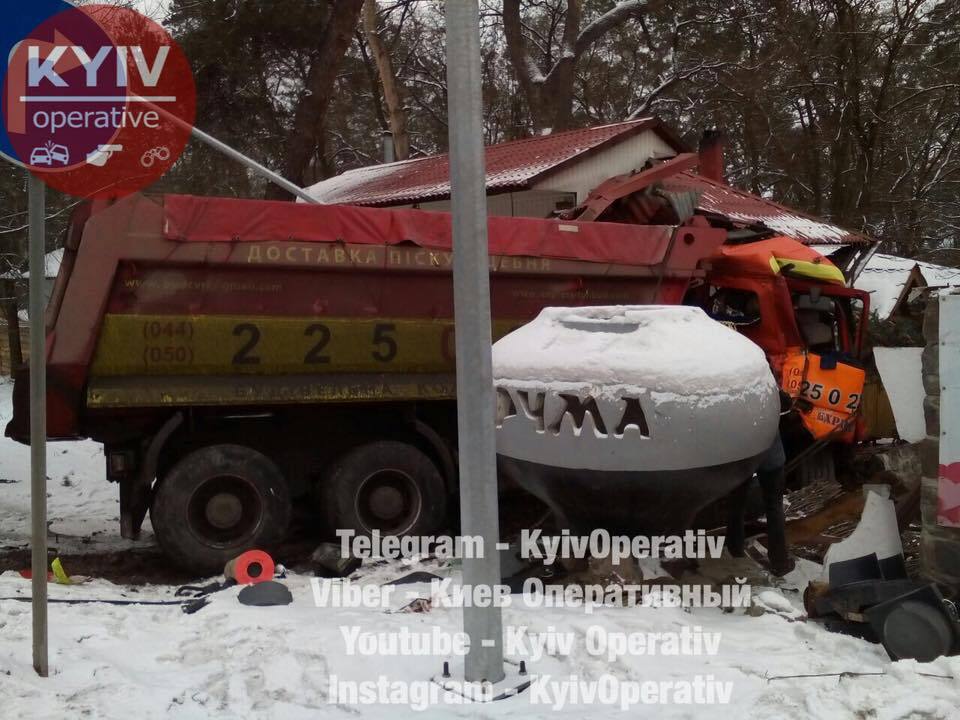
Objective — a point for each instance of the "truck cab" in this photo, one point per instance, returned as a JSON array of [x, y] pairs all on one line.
[[794, 303]]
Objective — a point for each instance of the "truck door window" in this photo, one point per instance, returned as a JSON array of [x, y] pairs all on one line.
[[817, 322], [733, 306]]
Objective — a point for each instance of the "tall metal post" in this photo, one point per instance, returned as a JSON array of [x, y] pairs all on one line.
[[471, 291], [229, 152], [38, 421]]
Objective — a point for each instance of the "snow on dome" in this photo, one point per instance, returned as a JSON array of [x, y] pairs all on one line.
[[635, 390], [673, 350]]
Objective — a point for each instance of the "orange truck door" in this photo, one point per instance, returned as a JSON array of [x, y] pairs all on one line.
[[828, 390]]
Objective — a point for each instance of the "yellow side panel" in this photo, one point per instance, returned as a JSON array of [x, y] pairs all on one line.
[[231, 345]]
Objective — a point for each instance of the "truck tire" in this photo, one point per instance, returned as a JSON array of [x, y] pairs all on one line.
[[390, 486], [217, 502]]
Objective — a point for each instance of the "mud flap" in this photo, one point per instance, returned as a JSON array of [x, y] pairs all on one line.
[[134, 503]]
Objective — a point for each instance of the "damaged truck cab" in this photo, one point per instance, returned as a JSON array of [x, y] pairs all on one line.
[[788, 298], [794, 303]]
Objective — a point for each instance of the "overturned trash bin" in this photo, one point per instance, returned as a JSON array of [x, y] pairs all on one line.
[[631, 418]]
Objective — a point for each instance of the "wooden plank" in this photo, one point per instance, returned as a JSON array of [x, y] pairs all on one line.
[[6, 366]]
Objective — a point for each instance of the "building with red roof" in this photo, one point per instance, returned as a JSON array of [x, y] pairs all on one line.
[[540, 176]]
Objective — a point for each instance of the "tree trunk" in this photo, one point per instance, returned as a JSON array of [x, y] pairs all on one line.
[[522, 63], [392, 93], [8, 293], [558, 87], [550, 97], [312, 104]]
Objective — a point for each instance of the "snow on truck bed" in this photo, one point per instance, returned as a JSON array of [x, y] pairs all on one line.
[[234, 661]]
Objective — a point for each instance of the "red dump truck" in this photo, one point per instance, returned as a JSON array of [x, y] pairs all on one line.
[[236, 356]]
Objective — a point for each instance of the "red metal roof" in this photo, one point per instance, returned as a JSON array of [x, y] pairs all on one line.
[[745, 208], [519, 164], [511, 165]]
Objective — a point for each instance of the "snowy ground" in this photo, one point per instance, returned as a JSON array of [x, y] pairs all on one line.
[[233, 661], [83, 508]]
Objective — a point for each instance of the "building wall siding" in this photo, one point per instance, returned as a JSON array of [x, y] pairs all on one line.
[[583, 176]]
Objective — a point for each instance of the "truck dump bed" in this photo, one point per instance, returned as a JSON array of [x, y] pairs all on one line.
[[187, 301]]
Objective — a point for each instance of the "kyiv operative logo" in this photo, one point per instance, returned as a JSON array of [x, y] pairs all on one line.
[[97, 100]]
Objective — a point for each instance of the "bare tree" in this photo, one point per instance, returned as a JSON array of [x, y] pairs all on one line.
[[311, 107], [848, 109], [392, 90], [550, 91], [8, 299]]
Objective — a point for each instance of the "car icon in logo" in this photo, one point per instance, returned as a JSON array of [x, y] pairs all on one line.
[[50, 153], [59, 153], [40, 156]]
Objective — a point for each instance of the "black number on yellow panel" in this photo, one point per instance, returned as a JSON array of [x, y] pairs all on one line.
[[387, 344], [252, 333], [315, 356]]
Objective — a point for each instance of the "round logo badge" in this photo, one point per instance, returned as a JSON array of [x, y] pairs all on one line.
[[97, 100]]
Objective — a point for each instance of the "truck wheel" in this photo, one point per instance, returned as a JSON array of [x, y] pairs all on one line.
[[387, 486], [217, 502]]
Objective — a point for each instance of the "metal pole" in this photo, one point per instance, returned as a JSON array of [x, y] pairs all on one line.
[[262, 171], [471, 293], [220, 146], [38, 421]]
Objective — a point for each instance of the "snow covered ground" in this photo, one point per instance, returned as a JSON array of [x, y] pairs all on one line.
[[83, 509], [233, 661]]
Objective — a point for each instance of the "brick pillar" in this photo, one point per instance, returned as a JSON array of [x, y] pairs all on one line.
[[939, 545]]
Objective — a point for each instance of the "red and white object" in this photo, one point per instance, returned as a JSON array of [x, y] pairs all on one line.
[[251, 567]]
